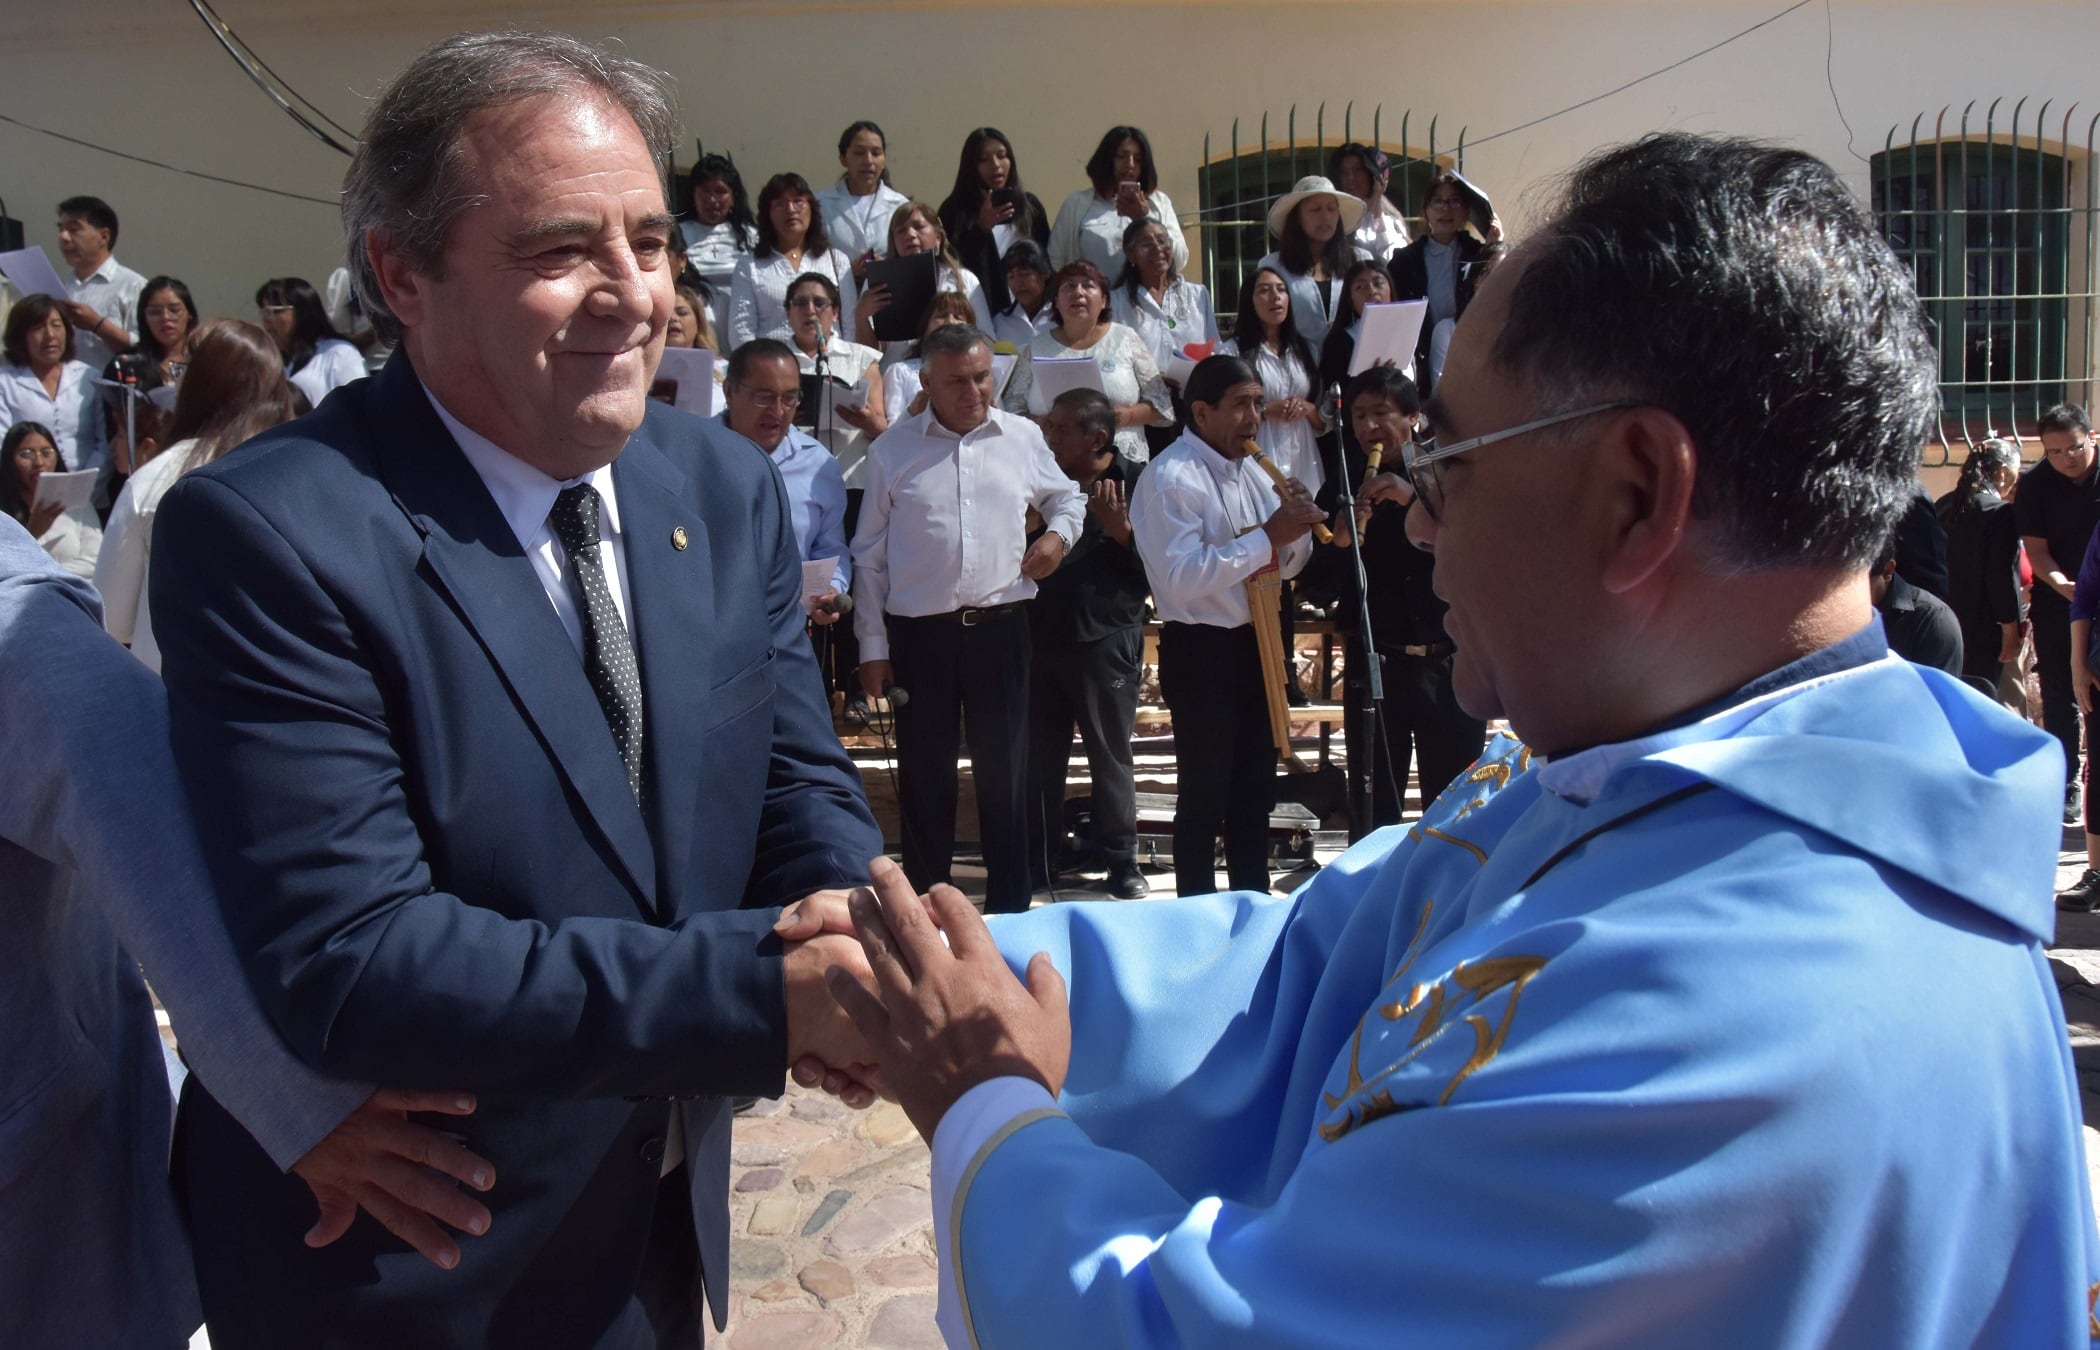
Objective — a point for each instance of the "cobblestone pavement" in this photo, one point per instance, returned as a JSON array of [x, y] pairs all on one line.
[[2075, 961]]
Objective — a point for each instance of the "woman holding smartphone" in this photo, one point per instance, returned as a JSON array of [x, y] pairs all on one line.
[[989, 210], [1125, 180]]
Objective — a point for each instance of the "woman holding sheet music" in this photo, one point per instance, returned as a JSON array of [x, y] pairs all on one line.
[[791, 243], [1365, 283], [916, 229], [846, 411], [1121, 364]]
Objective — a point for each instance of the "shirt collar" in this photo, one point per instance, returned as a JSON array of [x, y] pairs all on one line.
[[796, 442], [106, 272], [994, 422], [523, 494]]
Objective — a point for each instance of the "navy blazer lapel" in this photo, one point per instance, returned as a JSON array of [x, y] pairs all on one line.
[[473, 554], [670, 573]]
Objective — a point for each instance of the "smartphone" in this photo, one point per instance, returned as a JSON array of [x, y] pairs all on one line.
[[1007, 196]]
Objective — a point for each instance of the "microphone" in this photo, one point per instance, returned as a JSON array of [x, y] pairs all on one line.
[[840, 604], [1320, 532], [896, 695]]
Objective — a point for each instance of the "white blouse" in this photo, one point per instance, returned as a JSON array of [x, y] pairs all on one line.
[[334, 364], [127, 552], [1313, 303], [1090, 227], [74, 414], [758, 294], [900, 385], [856, 225], [1289, 445], [1128, 377], [846, 362], [1382, 233], [1168, 324], [1010, 325]]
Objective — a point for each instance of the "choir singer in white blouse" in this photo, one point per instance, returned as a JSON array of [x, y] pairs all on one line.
[[1125, 187], [942, 572]]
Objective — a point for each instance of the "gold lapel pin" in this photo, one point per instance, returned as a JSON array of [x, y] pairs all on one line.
[[678, 537]]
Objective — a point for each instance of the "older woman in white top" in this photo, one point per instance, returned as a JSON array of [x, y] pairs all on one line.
[[1266, 339], [42, 383], [1128, 376], [834, 418], [915, 229], [1312, 224], [857, 208], [1165, 308], [72, 538], [791, 242], [1125, 187]]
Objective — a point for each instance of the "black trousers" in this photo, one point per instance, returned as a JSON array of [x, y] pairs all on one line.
[[1224, 761], [2052, 654], [1422, 719], [843, 645], [1094, 684], [964, 682]]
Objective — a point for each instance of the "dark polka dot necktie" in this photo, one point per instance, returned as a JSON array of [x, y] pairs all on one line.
[[608, 654]]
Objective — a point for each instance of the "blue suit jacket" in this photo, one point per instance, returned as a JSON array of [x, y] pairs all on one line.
[[437, 874], [96, 849]]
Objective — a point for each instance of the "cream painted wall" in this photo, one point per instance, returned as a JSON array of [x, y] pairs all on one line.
[[773, 84]]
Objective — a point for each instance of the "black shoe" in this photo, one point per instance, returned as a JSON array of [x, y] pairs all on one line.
[[1295, 696], [1126, 882], [2074, 802], [856, 711], [2084, 895]]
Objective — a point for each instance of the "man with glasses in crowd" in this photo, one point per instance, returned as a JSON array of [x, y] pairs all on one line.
[[1624, 1044]]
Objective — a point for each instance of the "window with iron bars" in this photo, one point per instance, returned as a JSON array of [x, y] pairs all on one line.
[[2003, 259]]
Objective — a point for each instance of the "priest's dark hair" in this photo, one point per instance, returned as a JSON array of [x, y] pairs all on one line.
[[1742, 288]]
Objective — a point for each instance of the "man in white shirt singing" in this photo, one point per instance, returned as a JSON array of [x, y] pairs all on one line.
[[941, 571], [102, 294], [1206, 519]]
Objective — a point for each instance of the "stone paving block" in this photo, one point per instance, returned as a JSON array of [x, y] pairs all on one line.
[[882, 1221], [831, 1158], [787, 1331], [904, 1323], [903, 1272], [821, 1110], [777, 1291], [832, 1204], [828, 1280], [754, 1154], [755, 1260], [886, 1125], [761, 1179], [775, 1214], [783, 1130]]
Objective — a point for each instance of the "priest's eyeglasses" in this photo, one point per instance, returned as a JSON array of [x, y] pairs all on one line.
[[1422, 457]]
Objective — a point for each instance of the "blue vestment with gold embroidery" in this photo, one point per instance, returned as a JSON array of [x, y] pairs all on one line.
[[1737, 1035]]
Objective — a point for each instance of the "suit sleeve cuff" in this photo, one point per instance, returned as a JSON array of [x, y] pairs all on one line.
[[980, 1120]]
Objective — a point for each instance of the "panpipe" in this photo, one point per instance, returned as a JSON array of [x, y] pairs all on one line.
[[1320, 532], [1265, 613]]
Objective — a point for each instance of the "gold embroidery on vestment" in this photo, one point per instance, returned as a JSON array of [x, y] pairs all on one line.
[[1407, 958]]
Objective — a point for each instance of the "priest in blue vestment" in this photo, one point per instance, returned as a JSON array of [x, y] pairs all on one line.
[[1708, 1009]]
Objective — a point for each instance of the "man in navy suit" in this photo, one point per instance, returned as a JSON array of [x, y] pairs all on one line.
[[490, 693]]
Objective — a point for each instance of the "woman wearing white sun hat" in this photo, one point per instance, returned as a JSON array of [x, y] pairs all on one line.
[[1312, 224]]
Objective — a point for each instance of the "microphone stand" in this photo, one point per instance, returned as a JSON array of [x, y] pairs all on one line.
[[1363, 792]]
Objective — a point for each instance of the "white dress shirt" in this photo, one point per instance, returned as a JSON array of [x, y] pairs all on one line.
[[334, 364], [122, 571], [1197, 518], [1290, 445], [1313, 303], [1012, 326], [1128, 377], [1090, 227], [74, 413], [758, 292], [856, 225], [1169, 323], [943, 525], [111, 290]]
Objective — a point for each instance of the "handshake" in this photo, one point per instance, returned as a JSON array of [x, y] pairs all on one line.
[[906, 996]]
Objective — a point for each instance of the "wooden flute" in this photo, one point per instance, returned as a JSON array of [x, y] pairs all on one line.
[[1320, 532]]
